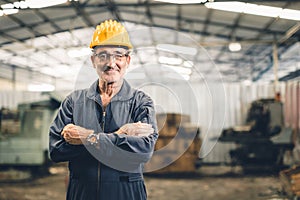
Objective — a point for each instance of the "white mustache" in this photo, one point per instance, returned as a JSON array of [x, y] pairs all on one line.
[[106, 68]]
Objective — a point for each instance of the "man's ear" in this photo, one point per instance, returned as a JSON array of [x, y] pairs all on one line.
[[92, 59], [128, 59]]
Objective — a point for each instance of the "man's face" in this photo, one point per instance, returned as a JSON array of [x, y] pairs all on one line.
[[110, 63]]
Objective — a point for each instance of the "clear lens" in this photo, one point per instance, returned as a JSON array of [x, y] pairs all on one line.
[[104, 57]]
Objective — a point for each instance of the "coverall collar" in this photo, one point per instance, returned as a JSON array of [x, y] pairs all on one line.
[[126, 92]]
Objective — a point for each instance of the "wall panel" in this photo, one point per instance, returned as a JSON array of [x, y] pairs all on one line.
[[11, 99]]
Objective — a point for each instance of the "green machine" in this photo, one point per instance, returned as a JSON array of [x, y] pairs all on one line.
[[24, 133]]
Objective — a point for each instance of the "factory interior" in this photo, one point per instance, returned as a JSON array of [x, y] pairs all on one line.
[[224, 77]]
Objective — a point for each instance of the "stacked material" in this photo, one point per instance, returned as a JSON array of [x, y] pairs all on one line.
[[290, 181], [9, 122], [178, 144]]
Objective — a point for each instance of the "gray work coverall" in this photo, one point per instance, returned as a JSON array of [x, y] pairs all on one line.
[[114, 175]]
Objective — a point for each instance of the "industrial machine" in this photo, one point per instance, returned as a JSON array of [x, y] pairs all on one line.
[[24, 134], [263, 140]]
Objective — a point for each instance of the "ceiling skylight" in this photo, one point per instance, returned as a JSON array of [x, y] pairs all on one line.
[[254, 9], [42, 87], [12, 8], [170, 60], [183, 1], [75, 53]]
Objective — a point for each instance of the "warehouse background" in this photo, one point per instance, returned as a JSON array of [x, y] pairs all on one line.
[[238, 98], [182, 58]]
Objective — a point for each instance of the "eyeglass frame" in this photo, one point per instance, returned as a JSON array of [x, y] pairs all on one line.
[[109, 55]]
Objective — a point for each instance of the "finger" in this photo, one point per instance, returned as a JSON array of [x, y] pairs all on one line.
[[67, 137], [69, 126], [143, 135], [64, 130], [132, 133], [72, 134], [143, 125], [136, 129], [144, 130], [79, 128]]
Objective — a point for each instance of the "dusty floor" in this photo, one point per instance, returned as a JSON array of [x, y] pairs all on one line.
[[196, 187]]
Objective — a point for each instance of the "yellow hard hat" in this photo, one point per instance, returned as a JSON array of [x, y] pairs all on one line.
[[110, 32]]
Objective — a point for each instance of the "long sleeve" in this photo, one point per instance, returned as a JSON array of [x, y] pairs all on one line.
[[131, 149], [145, 113], [60, 150]]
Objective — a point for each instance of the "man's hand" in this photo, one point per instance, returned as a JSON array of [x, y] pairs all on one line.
[[136, 129], [75, 135]]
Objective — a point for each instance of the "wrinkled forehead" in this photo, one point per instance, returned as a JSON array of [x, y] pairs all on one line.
[[110, 49]]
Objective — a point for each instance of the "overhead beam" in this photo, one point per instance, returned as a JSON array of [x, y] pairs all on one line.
[[148, 12], [46, 19], [290, 33], [112, 7], [186, 19], [292, 75], [232, 35], [206, 23], [79, 8]]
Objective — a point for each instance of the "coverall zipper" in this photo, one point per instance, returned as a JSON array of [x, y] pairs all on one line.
[[99, 164]]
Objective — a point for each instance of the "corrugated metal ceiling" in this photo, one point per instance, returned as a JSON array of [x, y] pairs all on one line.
[[35, 42]]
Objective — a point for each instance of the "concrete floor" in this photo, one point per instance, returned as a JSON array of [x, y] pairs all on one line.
[[210, 183]]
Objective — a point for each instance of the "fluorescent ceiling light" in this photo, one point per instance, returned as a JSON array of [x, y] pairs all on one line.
[[9, 11], [183, 1], [21, 4], [267, 11], [169, 60], [234, 46], [254, 9], [59, 70], [40, 87], [188, 63], [177, 49], [43, 3], [7, 6], [247, 82], [75, 53], [32, 4], [290, 14]]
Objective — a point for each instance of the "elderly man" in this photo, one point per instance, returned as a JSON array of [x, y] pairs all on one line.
[[108, 131]]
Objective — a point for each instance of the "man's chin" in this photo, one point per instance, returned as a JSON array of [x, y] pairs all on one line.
[[111, 80]]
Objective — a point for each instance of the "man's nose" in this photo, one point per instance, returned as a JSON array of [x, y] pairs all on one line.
[[111, 62], [111, 59]]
